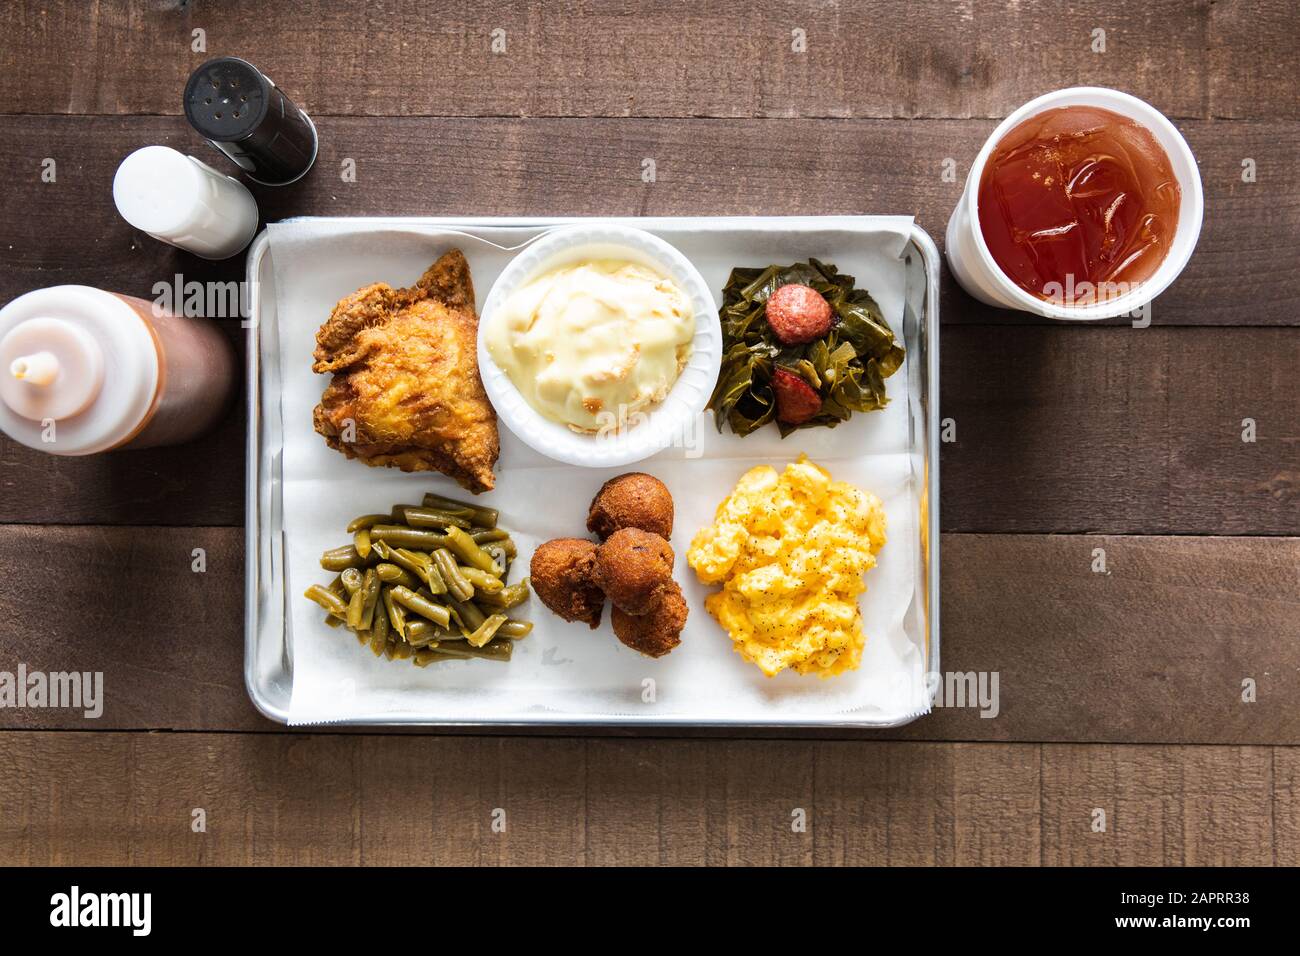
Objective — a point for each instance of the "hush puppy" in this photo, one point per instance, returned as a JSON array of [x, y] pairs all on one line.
[[658, 631], [633, 567], [564, 577], [634, 500]]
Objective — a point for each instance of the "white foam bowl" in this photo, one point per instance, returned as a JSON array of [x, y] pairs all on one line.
[[979, 274], [652, 430]]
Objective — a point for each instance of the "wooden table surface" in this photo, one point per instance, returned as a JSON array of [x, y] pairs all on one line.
[[1121, 692]]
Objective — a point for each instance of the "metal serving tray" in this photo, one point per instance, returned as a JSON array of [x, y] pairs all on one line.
[[268, 654]]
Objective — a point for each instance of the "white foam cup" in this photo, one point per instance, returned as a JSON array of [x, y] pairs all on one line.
[[979, 274]]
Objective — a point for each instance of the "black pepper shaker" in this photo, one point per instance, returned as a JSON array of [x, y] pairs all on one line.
[[237, 109]]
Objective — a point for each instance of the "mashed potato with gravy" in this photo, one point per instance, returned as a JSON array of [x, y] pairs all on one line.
[[790, 550], [594, 344]]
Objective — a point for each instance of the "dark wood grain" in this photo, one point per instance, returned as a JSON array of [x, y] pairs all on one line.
[[663, 804], [1286, 805], [1060, 428], [629, 58], [1246, 270], [1103, 677], [199, 483], [126, 602], [1253, 58], [1156, 649], [1200, 806], [104, 799], [1120, 430], [440, 803], [927, 805]]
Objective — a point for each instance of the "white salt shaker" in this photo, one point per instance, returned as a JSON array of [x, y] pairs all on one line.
[[181, 201]]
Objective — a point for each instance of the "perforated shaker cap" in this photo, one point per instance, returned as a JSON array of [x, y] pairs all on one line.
[[237, 108]]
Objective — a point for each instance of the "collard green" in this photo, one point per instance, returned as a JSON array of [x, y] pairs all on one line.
[[847, 367]]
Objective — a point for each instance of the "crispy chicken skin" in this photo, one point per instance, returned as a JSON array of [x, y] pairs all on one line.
[[406, 377]]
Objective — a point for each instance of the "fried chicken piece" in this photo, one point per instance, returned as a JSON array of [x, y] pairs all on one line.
[[406, 391]]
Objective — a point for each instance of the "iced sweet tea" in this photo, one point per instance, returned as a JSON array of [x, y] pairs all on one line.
[[1078, 204]]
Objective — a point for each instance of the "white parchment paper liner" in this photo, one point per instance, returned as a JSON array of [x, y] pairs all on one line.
[[564, 669]]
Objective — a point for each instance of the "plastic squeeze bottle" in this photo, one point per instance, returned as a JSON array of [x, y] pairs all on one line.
[[84, 371]]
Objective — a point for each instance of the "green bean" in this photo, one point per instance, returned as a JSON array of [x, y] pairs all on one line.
[[400, 536], [380, 629], [424, 567], [420, 605], [481, 580], [421, 633], [408, 560], [340, 559], [457, 510], [392, 574], [369, 598], [430, 655], [457, 585], [365, 521], [497, 650], [514, 629], [432, 518], [396, 614], [426, 581], [463, 513], [499, 557], [509, 596], [417, 565], [328, 600], [355, 607], [463, 546], [487, 630], [483, 517], [498, 544], [470, 617], [434, 579]]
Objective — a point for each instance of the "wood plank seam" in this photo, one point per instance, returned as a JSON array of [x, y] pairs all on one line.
[[697, 160], [316, 797]]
